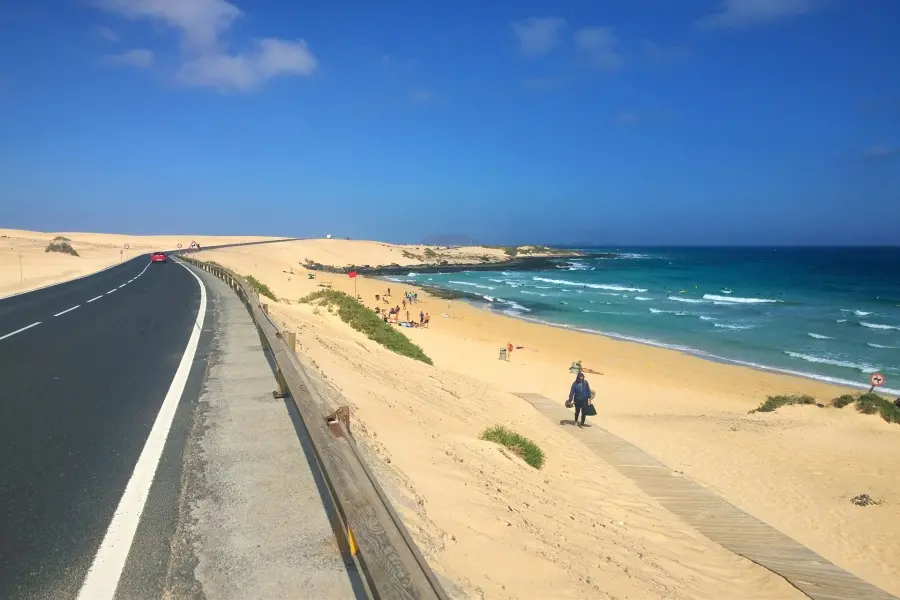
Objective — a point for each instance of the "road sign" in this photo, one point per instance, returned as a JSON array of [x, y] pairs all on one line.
[[179, 245], [877, 379], [193, 244], [127, 246]]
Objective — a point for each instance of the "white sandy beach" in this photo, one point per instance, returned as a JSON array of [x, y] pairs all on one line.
[[795, 469]]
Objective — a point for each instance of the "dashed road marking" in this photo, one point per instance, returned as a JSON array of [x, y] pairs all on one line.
[[67, 310], [20, 330], [97, 298]]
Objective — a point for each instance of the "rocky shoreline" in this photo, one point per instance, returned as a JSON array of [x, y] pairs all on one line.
[[524, 263]]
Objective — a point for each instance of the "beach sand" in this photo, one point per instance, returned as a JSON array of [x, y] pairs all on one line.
[[538, 534], [24, 265]]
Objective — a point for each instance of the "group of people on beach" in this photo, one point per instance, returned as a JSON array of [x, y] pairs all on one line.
[[392, 315]]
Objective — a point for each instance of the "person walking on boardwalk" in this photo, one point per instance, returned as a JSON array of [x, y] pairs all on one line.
[[580, 396]]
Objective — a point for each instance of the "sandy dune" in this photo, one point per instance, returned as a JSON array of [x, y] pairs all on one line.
[[795, 469], [24, 265]]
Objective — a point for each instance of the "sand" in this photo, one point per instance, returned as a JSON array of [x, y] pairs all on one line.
[[795, 469], [24, 265]]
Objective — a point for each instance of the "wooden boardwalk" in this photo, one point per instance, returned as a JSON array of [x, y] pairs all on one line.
[[717, 519]]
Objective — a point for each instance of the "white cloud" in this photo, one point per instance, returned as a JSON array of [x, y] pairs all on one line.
[[746, 13], [202, 25], [599, 45], [538, 35], [107, 34], [140, 58]]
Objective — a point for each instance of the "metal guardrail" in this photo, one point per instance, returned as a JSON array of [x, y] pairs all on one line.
[[392, 565]]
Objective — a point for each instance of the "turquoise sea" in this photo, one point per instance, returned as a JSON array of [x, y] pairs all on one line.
[[828, 313]]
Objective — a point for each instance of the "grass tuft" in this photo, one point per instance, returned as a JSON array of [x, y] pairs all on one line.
[[61, 238], [364, 320], [62, 247], [520, 445], [260, 288], [775, 402], [842, 401]]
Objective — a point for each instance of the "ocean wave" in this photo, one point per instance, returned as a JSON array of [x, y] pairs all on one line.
[[642, 298], [738, 299], [707, 318], [688, 300], [677, 313], [411, 274], [878, 326], [477, 285], [578, 266], [488, 298], [862, 368], [819, 336], [734, 326], [515, 305], [596, 286], [841, 321], [533, 293], [873, 345], [861, 313], [714, 357], [495, 280]]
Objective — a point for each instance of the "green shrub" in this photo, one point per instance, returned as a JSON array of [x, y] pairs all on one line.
[[774, 402], [366, 321], [520, 445], [61, 238], [842, 401], [62, 247], [429, 253], [259, 287], [873, 403]]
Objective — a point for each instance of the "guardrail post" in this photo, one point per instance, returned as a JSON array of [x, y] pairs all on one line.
[[265, 308], [291, 339]]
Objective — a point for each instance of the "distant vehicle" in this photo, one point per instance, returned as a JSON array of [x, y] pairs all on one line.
[[158, 257]]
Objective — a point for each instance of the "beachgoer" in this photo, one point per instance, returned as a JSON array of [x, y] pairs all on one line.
[[421, 318], [580, 396], [404, 304], [509, 349], [427, 319], [407, 317], [377, 297]]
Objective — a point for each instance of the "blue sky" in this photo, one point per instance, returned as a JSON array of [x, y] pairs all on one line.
[[605, 121]]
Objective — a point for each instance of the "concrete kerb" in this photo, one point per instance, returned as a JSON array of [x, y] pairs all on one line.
[[378, 540]]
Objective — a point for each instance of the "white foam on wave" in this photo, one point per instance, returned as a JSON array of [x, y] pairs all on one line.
[[687, 300], [733, 326], [862, 368], [411, 274], [534, 293], [878, 326], [706, 318], [873, 345], [677, 313], [841, 321], [861, 313], [596, 286], [488, 298], [819, 336], [642, 298], [714, 357], [738, 299], [477, 285], [495, 280]]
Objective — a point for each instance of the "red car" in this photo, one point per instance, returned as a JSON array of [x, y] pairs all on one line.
[[158, 257]]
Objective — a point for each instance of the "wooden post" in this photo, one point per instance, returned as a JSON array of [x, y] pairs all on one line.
[[291, 338]]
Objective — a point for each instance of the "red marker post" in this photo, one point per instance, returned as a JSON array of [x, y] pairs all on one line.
[[877, 380], [352, 275]]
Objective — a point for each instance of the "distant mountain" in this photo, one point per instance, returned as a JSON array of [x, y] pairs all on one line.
[[449, 239]]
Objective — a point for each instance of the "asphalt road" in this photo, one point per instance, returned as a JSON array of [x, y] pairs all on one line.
[[84, 369]]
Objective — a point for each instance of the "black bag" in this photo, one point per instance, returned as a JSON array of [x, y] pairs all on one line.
[[590, 411]]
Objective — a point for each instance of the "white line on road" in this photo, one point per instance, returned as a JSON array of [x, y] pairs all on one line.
[[67, 310], [29, 327], [106, 568], [97, 298], [123, 285], [111, 291]]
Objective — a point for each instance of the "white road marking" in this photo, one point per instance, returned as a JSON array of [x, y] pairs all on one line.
[[67, 310], [21, 330], [106, 568], [123, 285], [67, 281], [97, 298], [110, 291]]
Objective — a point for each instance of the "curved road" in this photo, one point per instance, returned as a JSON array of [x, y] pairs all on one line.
[[85, 367]]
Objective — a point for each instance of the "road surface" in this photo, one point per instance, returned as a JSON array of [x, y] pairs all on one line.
[[85, 367]]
